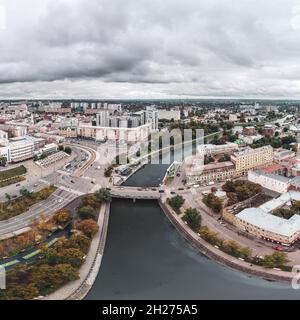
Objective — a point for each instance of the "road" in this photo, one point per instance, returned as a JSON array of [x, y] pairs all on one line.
[[135, 193], [70, 186], [86, 162], [33, 253], [59, 199]]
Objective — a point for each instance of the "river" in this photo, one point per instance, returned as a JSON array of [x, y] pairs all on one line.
[[146, 258]]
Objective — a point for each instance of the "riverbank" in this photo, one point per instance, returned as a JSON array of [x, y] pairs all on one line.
[[219, 256], [78, 289]]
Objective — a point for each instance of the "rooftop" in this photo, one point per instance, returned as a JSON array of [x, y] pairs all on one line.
[[263, 218], [273, 168], [269, 222], [273, 176]]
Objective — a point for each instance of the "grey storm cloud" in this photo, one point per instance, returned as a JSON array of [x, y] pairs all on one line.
[[144, 49]]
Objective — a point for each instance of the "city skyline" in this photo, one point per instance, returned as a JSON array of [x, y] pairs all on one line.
[[137, 49]]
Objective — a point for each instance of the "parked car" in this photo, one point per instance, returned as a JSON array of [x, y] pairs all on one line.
[[279, 248]]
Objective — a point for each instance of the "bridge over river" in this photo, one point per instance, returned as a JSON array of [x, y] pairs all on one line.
[[135, 193]]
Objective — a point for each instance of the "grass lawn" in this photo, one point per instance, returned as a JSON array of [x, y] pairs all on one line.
[[5, 183], [20, 205], [11, 176], [11, 173]]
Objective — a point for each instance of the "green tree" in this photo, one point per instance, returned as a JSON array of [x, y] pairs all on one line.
[[176, 202], [103, 196], [3, 161], [8, 197], [193, 219], [68, 150], [26, 193], [87, 212], [275, 260]]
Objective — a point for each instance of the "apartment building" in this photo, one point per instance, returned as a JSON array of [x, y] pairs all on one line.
[[252, 159], [136, 134]]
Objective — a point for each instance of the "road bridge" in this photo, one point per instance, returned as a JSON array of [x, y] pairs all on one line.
[[135, 193]]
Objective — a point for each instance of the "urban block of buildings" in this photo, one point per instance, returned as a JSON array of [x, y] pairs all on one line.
[[241, 161]]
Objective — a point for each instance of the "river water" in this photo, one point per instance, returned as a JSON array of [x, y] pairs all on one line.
[[146, 258]]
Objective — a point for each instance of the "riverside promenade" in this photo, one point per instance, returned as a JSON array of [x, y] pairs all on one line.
[[217, 255], [77, 290]]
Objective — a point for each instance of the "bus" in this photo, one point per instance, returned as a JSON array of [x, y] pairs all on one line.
[[67, 166]]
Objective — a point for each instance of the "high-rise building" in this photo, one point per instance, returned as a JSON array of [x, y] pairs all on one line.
[[152, 117], [102, 119]]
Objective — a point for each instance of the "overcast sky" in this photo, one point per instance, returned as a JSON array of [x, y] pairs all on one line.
[[149, 48]]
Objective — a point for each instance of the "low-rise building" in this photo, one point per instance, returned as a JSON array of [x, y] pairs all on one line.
[[269, 181], [212, 149], [21, 148], [261, 222], [169, 115], [249, 131], [49, 149], [214, 172]]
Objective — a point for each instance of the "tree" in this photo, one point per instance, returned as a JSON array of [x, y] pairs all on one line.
[[79, 241], [176, 202], [72, 256], [90, 200], [232, 199], [3, 161], [210, 236], [103, 196], [213, 202], [87, 212], [8, 197], [275, 260], [26, 193], [108, 171], [229, 186], [21, 292], [88, 227], [62, 216], [296, 207], [47, 277], [193, 219], [68, 150], [283, 213]]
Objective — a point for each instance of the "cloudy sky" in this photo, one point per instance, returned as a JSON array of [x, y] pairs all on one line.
[[149, 48]]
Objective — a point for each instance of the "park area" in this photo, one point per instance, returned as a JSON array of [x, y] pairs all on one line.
[[11, 176]]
